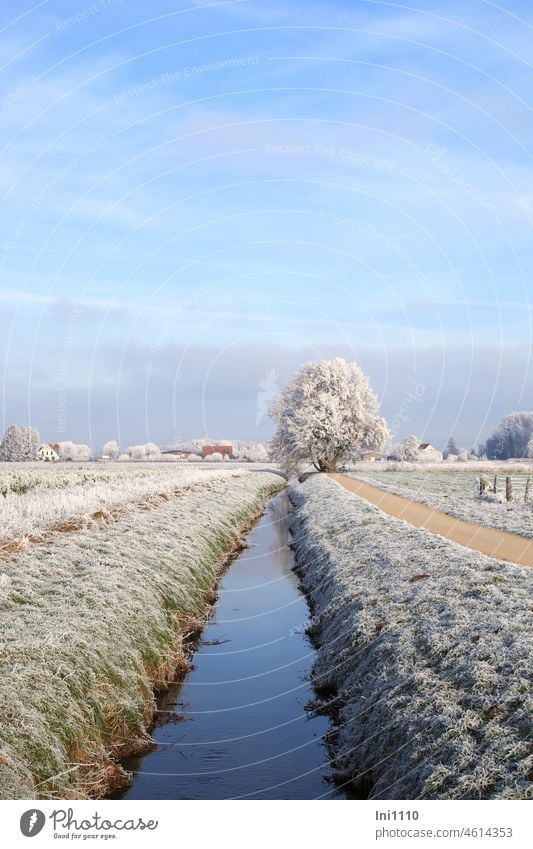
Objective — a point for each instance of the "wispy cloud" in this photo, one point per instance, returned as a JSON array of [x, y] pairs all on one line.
[[354, 168]]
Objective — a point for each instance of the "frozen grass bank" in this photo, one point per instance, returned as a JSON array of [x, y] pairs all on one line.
[[428, 646], [92, 621]]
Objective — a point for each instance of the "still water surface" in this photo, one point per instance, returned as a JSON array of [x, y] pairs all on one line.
[[236, 726]]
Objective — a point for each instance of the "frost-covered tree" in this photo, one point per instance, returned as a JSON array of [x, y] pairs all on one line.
[[215, 457], [111, 449], [67, 450], [462, 455], [256, 453], [78, 452], [407, 450], [326, 412], [147, 451], [451, 448], [251, 452], [511, 437], [530, 448], [20, 444], [136, 452], [83, 453], [152, 450]]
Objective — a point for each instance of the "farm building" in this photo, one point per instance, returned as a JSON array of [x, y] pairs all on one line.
[[180, 454], [370, 456], [49, 452], [225, 450], [429, 453]]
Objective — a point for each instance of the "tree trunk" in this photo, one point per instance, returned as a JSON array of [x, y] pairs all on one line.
[[331, 463]]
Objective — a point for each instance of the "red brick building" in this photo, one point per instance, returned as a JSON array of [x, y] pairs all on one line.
[[217, 449]]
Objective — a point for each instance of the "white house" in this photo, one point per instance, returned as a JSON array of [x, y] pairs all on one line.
[[428, 453], [48, 453]]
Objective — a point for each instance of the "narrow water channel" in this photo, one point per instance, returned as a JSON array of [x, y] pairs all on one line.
[[237, 726]]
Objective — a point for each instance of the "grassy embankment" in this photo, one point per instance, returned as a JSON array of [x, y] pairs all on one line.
[[94, 620], [425, 648]]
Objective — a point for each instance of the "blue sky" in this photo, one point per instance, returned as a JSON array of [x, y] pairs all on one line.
[[200, 196]]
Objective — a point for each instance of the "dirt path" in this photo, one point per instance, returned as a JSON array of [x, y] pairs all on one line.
[[499, 544]]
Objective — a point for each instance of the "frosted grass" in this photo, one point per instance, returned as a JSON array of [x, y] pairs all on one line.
[[455, 493], [35, 499], [91, 621], [428, 646]]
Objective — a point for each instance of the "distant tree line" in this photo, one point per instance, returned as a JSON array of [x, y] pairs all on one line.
[[21, 444], [325, 414]]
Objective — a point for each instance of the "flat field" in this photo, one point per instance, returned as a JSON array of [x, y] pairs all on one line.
[[39, 497], [454, 491]]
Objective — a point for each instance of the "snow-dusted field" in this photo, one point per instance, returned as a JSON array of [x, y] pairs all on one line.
[[38, 496], [428, 645], [454, 491], [90, 620], [501, 467]]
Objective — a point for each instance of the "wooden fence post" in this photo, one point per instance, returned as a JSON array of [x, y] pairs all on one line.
[[508, 489]]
